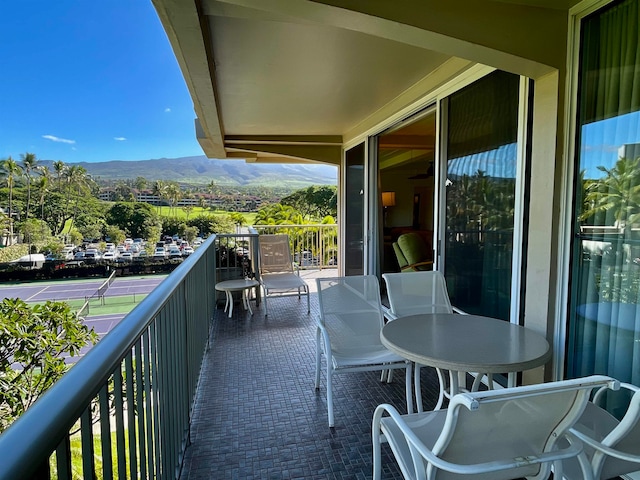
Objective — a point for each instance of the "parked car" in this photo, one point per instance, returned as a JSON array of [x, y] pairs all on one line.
[[305, 259], [160, 252], [186, 251], [110, 255], [125, 257], [92, 255], [174, 252], [79, 256]]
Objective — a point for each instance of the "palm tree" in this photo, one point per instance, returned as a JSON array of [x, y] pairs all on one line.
[[42, 185], [11, 170], [59, 167], [160, 191], [174, 194], [77, 180], [29, 164]]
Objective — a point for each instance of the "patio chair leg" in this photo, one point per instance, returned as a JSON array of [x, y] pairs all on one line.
[[266, 304], [376, 441], [318, 358], [330, 396], [409, 393], [417, 386], [443, 389]]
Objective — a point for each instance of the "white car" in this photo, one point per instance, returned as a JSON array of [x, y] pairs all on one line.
[[186, 251], [125, 257], [174, 252], [110, 255], [160, 252]]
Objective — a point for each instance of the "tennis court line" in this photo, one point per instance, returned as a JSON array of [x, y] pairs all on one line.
[[36, 294]]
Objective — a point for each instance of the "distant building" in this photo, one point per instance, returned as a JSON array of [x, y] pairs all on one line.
[[629, 150]]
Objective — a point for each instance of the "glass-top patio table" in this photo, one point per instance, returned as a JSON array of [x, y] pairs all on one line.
[[465, 343]]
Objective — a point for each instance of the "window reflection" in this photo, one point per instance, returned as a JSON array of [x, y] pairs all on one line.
[[480, 197], [604, 318]]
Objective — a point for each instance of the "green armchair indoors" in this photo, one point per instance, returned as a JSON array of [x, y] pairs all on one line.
[[413, 253]]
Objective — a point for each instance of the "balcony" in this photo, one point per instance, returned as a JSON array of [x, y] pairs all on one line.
[[185, 392], [257, 415]]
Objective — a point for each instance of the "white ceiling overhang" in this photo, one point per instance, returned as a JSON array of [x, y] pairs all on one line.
[[290, 79]]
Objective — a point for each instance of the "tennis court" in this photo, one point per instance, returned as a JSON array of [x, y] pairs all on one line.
[[79, 289], [121, 296]]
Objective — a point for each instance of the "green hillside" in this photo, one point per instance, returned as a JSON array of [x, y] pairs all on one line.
[[202, 170]]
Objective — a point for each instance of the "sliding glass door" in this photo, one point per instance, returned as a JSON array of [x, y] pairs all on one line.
[[354, 211], [604, 310], [481, 179]]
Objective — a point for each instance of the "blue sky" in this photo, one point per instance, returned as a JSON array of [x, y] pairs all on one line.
[[90, 81]]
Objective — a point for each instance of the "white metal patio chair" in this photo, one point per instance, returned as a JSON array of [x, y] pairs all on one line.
[[276, 273], [611, 445], [489, 435], [348, 332], [411, 293]]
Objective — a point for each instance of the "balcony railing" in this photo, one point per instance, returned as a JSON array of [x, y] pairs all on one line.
[[313, 246], [128, 402]]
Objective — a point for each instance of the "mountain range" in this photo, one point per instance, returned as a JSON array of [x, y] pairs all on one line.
[[201, 170]]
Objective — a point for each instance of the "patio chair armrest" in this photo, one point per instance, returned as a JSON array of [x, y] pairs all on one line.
[[417, 447], [597, 397], [428, 263], [629, 457]]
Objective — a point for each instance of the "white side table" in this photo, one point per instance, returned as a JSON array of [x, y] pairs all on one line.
[[240, 285]]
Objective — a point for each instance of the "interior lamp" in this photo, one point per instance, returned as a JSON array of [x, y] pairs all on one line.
[[388, 200]]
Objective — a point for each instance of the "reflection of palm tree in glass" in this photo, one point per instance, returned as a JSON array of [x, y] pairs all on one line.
[[614, 199], [478, 203], [616, 194]]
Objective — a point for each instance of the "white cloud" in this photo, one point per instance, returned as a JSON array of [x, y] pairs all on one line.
[[167, 110], [120, 139], [53, 138]]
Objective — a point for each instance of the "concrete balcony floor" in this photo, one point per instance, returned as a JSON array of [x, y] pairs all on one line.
[[257, 414]]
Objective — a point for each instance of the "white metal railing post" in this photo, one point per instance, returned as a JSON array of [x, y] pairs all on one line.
[[313, 246]]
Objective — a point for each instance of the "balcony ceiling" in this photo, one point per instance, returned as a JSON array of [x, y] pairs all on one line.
[[288, 80]]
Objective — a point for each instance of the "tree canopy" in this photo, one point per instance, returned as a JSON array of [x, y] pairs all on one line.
[[314, 202], [36, 339]]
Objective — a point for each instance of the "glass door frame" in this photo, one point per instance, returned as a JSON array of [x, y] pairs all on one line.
[[566, 238], [522, 186], [437, 99]]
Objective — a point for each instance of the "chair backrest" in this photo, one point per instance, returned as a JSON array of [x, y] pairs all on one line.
[[414, 248], [411, 293], [402, 261], [624, 437], [351, 311], [275, 254], [488, 426]]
